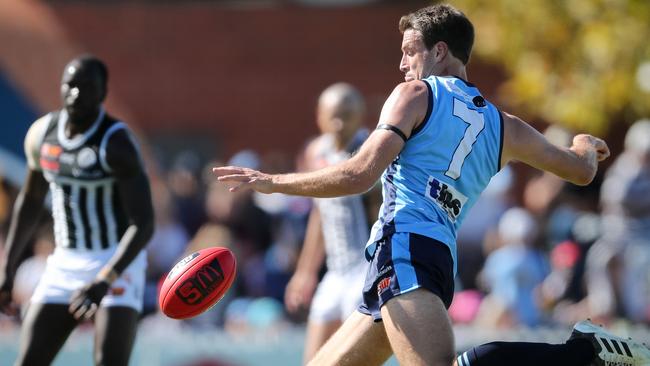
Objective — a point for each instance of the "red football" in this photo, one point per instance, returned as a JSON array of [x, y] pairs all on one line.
[[197, 282]]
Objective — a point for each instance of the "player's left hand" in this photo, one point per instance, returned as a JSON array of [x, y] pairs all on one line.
[[244, 178], [84, 302], [300, 291]]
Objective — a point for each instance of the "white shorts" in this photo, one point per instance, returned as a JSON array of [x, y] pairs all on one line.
[[68, 270], [338, 295]]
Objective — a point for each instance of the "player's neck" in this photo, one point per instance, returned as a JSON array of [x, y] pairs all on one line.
[[456, 70], [78, 124]]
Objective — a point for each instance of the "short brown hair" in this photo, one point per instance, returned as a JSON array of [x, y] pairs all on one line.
[[442, 22]]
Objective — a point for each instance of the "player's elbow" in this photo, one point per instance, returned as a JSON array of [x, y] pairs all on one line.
[[354, 185], [362, 174], [361, 182], [584, 176], [363, 188]]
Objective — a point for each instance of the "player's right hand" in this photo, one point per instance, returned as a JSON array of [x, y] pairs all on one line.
[[244, 178], [300, 291], [85, 301], [587, 141]]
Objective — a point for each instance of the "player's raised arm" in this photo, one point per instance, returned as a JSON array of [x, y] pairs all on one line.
[[577, 164], [403, 110]]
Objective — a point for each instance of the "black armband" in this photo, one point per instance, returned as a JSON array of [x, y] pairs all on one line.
[[399, 132]]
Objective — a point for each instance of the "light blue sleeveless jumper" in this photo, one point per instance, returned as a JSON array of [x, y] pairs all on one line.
[[444, 166]]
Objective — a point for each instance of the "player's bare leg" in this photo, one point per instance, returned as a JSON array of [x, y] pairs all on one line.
[[45, 329], [317, 334], [360, 342], [115, 329], [419, 329]]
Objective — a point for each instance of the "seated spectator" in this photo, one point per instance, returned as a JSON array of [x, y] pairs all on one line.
[[512, 273]]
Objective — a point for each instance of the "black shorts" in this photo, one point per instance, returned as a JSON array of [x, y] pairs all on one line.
[[404, 262]]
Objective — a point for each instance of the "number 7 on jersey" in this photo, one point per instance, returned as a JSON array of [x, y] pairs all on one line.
[[476, 124]]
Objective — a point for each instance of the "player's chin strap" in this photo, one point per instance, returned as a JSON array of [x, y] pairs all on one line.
[[385, 126]]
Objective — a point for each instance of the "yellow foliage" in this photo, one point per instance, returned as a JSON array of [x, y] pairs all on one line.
[[570, 62]]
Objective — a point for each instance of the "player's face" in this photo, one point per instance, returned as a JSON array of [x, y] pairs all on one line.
[[82, 91], [339, 117], [417, 61]]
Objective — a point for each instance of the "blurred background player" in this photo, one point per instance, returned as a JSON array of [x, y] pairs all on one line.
[[103, 218], [337, 227]]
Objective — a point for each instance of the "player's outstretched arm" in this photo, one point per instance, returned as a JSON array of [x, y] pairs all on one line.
[[577, 164], [352, 176], [404, 109], [135, 195]]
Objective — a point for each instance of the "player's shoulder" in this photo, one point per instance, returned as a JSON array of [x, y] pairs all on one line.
[[116, 131], [42, 123], [38, 129], [114, 124], [411, 95], [412, 89], [35, 137], [119, 149]]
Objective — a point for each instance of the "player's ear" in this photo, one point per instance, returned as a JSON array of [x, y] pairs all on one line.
[[440, 50]]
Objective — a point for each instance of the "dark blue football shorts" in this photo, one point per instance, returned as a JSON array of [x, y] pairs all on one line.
[[404, 262]]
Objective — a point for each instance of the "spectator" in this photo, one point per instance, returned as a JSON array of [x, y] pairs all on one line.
[[183, 179], [623, 253], [513, 272], [479, 226]]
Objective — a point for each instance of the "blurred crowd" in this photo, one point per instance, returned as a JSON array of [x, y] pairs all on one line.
[[533, 251]]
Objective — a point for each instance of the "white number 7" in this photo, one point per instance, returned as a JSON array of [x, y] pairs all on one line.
[[476, 124]]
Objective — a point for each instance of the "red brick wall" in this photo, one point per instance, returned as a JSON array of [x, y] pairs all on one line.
[[246, 77]]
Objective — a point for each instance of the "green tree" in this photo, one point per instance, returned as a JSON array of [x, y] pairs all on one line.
[[581, 63]]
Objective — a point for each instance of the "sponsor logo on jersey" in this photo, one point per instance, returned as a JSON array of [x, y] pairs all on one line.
[[66, 158], [384, 270], [383, 285], [86, 158], [50, 157], [88, 174], [446, 197]]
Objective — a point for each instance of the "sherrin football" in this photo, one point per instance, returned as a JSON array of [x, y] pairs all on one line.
[[197, 282]]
